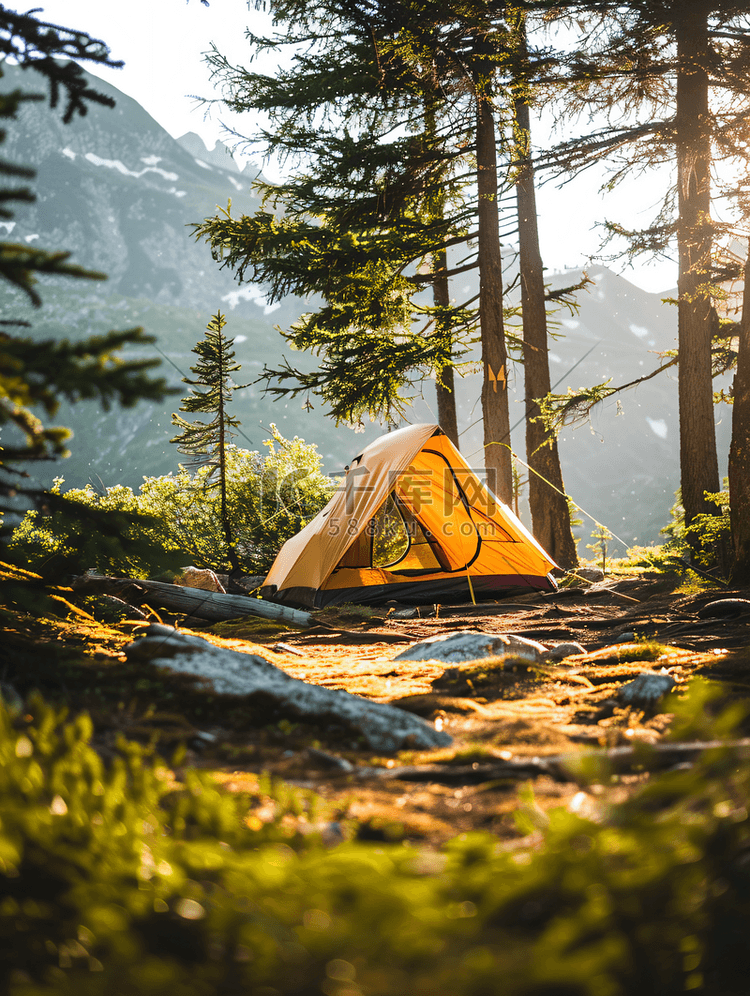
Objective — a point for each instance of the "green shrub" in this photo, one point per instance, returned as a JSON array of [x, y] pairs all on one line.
[[705, 537], [270, 498], [111, 882]]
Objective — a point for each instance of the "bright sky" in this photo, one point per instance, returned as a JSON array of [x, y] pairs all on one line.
[[162, 43]]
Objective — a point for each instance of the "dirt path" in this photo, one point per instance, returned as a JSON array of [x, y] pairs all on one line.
[[499, 713], [494, 711]]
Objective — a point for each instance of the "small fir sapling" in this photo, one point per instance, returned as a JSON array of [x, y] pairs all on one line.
[[206, 442], [601, 534]]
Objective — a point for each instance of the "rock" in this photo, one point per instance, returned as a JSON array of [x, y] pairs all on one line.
[[10, 698], [229, 672], [725, 608], [197, 577], [410, 612], [646, 691], [202, 739], [415, 612], [329, 762], [562, 650], [205, 737], [627, 637], [470, 646]]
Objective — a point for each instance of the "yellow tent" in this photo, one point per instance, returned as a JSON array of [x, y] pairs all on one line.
[[411, 522]]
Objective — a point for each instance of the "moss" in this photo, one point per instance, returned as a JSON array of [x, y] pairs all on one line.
[[347, 615], [249, 627], [642, 650], [493, 677]]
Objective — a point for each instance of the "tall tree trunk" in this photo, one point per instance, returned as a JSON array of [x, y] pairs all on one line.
[[699, 467], [495, 410], [445, 386], [446, 397], [739, 453], [550, 514]]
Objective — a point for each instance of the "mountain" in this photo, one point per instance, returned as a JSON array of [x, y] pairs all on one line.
[[120, 194], [220, 156]]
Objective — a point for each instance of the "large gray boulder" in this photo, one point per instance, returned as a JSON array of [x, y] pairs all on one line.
[[229, 672]]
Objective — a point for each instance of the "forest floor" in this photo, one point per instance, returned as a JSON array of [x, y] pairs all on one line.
[[626, 625]]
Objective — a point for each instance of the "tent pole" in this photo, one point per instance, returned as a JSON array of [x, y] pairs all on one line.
[[471, 588]]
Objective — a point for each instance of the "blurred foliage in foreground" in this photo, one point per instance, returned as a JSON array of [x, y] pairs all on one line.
[[116, 880], [270, 497]]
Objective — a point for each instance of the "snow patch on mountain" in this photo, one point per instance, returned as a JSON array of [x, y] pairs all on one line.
[[658, 426], [121, 168], [254, 294]]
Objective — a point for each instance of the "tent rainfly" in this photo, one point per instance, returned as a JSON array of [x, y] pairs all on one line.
[[411, 522]]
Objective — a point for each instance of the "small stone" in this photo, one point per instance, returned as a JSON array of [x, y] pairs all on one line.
[[627, 637], [322, 759], [646, 691], [10, 698], [562, 650], [409, 613], [205, 736], [202, 739]]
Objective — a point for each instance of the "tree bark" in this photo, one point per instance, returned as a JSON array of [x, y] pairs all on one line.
[[550, 514], [445, 386], [496, 415], [699, 468], [739, 452]]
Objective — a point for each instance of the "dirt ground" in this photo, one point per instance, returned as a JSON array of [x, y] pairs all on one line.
[[498, 711]]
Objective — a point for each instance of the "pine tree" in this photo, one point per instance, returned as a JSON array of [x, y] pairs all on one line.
[[38, 374], [359, 222], [206, 442], [671, 79], [550, 512], [357, 214]]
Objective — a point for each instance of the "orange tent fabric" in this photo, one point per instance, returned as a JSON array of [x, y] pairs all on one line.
[[411, 521]]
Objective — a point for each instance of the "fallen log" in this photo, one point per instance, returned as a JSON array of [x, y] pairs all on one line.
[[229, 672], [196, 603], [564, 767]]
